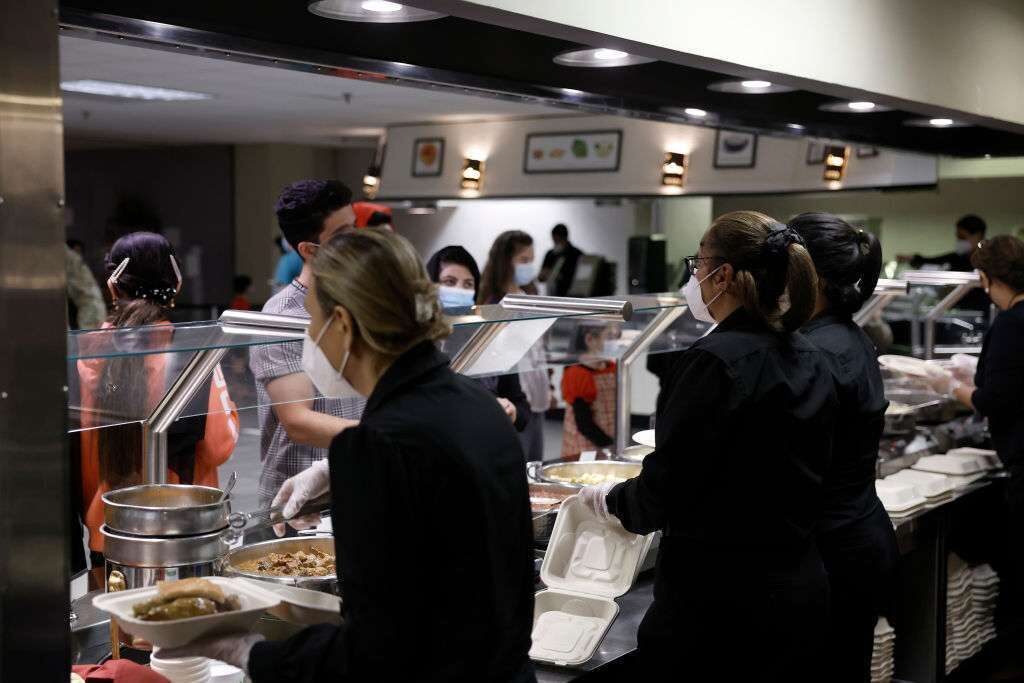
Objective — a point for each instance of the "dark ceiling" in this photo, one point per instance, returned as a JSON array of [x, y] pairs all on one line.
[[486, 59]]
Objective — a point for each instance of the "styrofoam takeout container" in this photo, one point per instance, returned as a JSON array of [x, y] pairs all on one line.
[[588, 563], [255, 601], [898, 497], [927, 484], [948, 464], [301, 605]]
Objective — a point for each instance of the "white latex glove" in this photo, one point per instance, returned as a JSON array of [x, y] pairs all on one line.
[[596, 498], [299, 490], [232, 648], [964, 366], [508, 407]]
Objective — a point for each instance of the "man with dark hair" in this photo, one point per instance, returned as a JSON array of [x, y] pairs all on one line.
[[559, 267], [297, 424], [970, 230]]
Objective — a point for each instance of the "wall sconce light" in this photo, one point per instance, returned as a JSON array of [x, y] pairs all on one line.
[[472, 174], [371, 182], [673, 169], [836, 157]]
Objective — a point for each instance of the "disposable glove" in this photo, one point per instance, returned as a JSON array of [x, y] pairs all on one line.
[[299, 490]]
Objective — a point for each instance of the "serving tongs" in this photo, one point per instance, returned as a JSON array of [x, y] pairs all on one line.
[[240, 522]]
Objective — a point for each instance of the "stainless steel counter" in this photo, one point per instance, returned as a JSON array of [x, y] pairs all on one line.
[[621, 638]]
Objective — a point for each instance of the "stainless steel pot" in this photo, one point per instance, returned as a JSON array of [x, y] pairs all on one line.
[[544, 514], [566, 473], [163, 551], [166, 510], [324, 584]]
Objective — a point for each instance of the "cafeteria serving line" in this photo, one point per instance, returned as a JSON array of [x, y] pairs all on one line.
[[519, 362]]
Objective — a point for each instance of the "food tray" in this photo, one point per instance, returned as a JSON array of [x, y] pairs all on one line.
[[255, 601]]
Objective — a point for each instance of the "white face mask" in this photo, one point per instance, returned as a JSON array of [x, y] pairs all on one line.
[[328, 381], [525, 273], [963, 247], [695, 300]]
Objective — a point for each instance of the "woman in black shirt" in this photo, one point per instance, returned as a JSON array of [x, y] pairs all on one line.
[[998, 394], [744, 435], [423, 600], [855, 536]]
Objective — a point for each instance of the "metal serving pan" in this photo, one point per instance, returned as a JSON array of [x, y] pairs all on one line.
[[324, 584], [166, 510], [544, 514], [566, 472], [174, 551], [927, 407]]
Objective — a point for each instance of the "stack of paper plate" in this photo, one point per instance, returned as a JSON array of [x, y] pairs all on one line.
[[882, 655], [971, 597], [899, 499]]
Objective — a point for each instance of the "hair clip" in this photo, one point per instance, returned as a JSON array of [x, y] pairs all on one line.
[[120, 269], [177, 272]]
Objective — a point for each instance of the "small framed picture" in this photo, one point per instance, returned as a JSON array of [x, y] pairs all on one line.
[[815, 153], [588, 151], [427, 157], [866, 151], [734, 149]]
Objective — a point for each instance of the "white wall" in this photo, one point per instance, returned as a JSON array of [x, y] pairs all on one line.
[[474, 224], [780, 166], [957, 56]]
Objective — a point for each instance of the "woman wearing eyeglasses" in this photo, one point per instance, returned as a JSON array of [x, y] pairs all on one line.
[[744, 435]]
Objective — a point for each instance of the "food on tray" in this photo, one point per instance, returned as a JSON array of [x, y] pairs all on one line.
[[314, 562], [589, 478], [185, 599], [896, 408]]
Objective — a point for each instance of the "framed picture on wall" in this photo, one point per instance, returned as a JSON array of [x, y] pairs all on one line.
[[427, 157], [815, 153], [865, 151], [591, 151], [734, 149]]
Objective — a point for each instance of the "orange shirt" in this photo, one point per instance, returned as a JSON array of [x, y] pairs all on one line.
[[212, 450]]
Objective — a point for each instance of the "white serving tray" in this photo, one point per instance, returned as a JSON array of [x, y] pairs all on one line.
[[588, 563], [166, 634]]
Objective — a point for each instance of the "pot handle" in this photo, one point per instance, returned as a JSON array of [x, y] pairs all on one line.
[[532, 470]]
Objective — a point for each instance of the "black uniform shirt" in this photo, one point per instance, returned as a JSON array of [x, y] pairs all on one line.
[[1000, 382], [744, 436], [432, 527], [850, 483]]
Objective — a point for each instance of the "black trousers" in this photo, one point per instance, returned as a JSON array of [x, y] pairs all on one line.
[[860, 559]]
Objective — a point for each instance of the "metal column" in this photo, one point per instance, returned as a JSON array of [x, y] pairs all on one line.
[[34, 471]]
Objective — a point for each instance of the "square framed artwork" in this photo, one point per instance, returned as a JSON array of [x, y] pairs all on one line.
[[591, 151], [815, 153], [866, 151], [427, 157], [735, 149]]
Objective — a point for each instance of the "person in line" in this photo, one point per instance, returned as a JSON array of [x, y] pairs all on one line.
[[511, 269], [86, 308], [855, 536], [242, 285], [394, 481], [143, 284], [369, 215], [970, 231], [297, 423], [744, 438], [997, 393], [458, 277], [558, 270], [588, 390], [289, 265]]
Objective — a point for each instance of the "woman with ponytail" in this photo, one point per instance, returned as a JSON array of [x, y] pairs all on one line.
[[116, 393], [744, 435], [855, 537]]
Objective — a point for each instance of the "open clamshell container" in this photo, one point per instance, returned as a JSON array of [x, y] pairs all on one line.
[[588, 563]]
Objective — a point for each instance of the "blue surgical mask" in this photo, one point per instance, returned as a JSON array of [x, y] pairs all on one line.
[[525, 273], [454, 297]]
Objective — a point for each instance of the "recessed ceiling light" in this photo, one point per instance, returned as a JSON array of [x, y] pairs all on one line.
[[796, 126], [988, 156], [599, 57], [131, 92], [695, 113], [571, 91], [749, 87], [941, 122], [854, 107], [370, 11]]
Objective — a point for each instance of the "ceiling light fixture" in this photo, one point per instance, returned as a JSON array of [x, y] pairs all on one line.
[[749, 87], [370, 11], [796, 126], [854, 107], [129, 91], [371, 182], [941, 123], [472, 174], [836, 158], [572, 91], [935, 122], [673, 169], [599, 57], [695, 113]]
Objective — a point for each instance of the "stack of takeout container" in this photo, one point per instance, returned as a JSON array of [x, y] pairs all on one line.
[[933, 487], [899, 499], [883, 660], [971, 597], [588, 563], [962, 466]]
